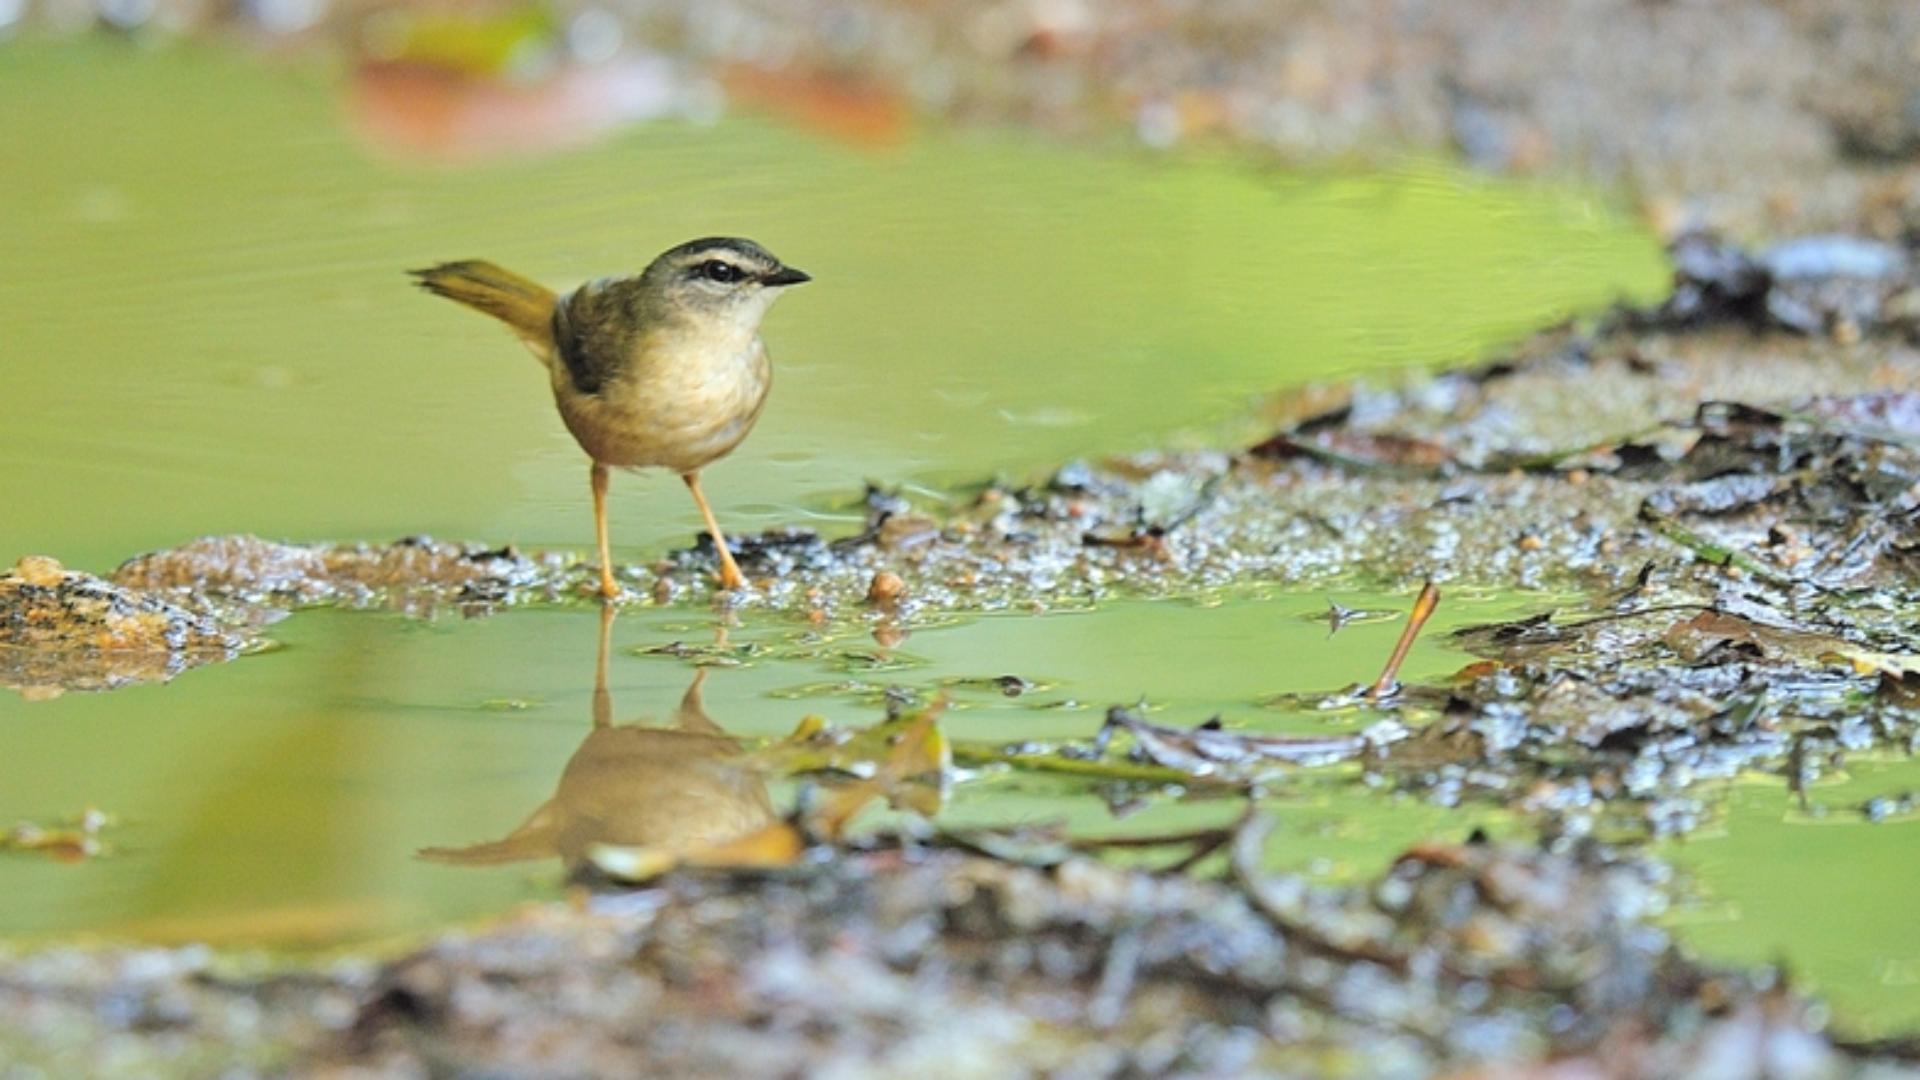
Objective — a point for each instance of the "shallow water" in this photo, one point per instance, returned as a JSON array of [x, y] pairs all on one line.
[[282, 798], [1817, 888], [206, 330]]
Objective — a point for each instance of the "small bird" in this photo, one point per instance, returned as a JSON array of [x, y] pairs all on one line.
[[665, 369]]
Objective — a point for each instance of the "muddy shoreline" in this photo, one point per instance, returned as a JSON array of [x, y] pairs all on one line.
[[957, 965]]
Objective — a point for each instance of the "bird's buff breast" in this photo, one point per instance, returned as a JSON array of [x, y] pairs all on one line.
[[678, 409]]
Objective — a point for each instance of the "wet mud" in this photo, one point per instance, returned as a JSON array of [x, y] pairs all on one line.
[[952, 964]]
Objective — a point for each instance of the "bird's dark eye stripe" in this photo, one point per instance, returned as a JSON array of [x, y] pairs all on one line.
[[716, 270]]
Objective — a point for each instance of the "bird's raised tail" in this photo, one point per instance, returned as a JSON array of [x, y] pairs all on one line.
[[526, 306]]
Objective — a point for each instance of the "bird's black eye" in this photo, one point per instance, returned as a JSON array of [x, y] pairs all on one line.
[[724, 272]]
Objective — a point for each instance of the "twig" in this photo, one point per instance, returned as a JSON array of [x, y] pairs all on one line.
[[1201, 843], [1103, 769], [1560, 630], [1717, 554], [1902, 1048], [1423, 609], [1249, 841], [1151, 840], [1202, 847], [1550, 460], [1109, 1004]]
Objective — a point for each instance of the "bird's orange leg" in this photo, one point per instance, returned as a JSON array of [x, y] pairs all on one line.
[[730, 576], [608, 587]]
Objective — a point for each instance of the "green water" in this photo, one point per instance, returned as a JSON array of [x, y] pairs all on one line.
[[1816, 889], [205, 329], [284, 797]]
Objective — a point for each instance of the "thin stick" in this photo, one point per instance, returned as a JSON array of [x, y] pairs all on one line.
[[1423, 609], [1105, 769], [1706, 551]]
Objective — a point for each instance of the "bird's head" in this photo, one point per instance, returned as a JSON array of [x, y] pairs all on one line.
[[720, 277]]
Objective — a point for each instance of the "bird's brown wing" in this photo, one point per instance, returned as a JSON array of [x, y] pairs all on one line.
[[593, 331]]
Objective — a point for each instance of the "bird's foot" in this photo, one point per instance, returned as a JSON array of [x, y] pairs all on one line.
[[606, 588], [731, 579]]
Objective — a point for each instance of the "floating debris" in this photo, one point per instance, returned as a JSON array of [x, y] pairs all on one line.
[[73, 840], [1338, 617], [1211, 750], [416, 574]]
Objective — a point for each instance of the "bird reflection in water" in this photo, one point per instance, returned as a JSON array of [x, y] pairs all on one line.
[[676, 787]]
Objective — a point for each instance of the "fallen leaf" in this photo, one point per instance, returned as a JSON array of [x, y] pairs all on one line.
[[1361, 451], [1204, 751]]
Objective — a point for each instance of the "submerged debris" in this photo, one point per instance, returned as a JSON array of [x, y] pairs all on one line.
[[74, 840]]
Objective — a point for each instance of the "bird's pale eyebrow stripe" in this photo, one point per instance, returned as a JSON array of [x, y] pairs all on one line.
[[707, 247]]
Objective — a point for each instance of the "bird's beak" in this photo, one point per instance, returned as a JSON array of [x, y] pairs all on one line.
[[786, 275]]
